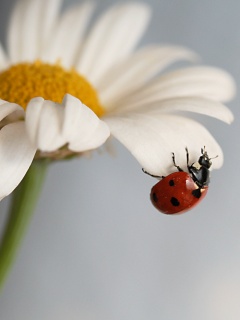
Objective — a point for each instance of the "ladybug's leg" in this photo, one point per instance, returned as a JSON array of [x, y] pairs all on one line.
[[174, 163], [187, 155], [152, 175]]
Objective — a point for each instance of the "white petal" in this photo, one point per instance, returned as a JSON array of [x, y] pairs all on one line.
[[24, 29], [152, 139], [207, 82], [3, 58], [134, 72], [69, 33], [48, 23], [49, 131], [16, 155], [30, 23], [82, 128], [190, 104], [113, 37], [14, 30], [7, 108], [32, 118], [51, 125], [43, 123]]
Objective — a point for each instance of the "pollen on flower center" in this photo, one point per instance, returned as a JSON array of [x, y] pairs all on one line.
[[24, 81]]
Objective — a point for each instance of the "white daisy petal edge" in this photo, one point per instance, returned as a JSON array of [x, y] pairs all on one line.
[[26, 43], [135, 71], [16, 156], [3, 58], [49, 17], [81, 127], [43, 123], [30, 27], [208, 82], [13, 36], [152, 140], [26, 13], [113, 37], [8, 108], [189, 104], [52, 125], [69, 34]]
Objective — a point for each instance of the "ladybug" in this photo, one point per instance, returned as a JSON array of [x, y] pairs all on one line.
[[180, 191]]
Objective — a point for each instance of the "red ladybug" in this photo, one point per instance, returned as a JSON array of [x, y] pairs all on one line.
[[181, 191]]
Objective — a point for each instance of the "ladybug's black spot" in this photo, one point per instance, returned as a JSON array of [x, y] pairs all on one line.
[[171, 183], [197, 193], [154, 197], [175, 202]]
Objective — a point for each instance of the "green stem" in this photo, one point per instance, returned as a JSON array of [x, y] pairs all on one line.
[[23, 203]]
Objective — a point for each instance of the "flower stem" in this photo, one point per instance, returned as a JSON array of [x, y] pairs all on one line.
[[23, 203]]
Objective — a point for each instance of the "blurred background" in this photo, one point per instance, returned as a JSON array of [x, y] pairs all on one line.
[[96, 249]]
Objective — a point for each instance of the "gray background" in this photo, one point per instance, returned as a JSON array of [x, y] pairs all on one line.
[[96, 248]]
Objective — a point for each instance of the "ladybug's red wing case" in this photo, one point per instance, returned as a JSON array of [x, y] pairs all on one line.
[[176, 193]]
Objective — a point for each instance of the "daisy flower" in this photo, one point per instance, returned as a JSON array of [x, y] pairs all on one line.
[[64, 91]]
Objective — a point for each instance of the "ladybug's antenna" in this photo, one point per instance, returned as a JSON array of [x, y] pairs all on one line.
[[204, 152], [213, 157]]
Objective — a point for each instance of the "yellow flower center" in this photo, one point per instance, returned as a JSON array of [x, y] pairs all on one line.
[[24, 81]]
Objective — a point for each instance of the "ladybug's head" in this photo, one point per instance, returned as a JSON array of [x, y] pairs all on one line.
[[204, 160]]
